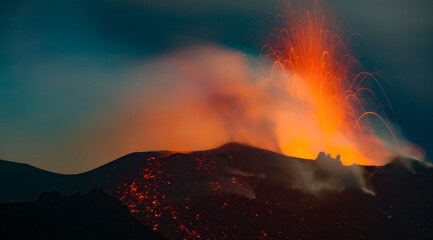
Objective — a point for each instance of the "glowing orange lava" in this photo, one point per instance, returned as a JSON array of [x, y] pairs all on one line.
[[313, 65]]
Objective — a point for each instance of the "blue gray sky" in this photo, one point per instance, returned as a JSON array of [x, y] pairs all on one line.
[[64, 64]]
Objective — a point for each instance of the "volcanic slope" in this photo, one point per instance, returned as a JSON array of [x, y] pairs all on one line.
[[241, 192]]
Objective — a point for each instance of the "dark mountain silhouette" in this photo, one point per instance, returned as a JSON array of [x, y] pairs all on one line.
[[22, 182], [94, 215], [241, 192]]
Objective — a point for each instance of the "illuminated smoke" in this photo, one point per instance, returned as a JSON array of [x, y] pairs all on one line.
[[303, 95], [198, 98], [202, 97]]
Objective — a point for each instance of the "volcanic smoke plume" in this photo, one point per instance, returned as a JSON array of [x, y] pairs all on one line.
[[304, 94]]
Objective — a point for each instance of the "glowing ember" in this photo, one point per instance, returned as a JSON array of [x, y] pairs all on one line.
[[204, 195], [313, 65], [149, 196]]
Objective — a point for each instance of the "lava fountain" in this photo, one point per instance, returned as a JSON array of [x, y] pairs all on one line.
[[313, 65]]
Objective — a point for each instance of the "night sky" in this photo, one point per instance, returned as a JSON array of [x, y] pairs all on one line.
[[66, 65]]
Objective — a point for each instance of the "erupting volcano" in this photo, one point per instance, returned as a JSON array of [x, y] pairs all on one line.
[[295, 142], [324, 102]]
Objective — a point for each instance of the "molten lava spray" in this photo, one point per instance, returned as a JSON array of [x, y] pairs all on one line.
[[316, 69]]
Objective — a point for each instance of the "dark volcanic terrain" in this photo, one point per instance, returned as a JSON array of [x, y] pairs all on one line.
[[94, 215], [241, 192]]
